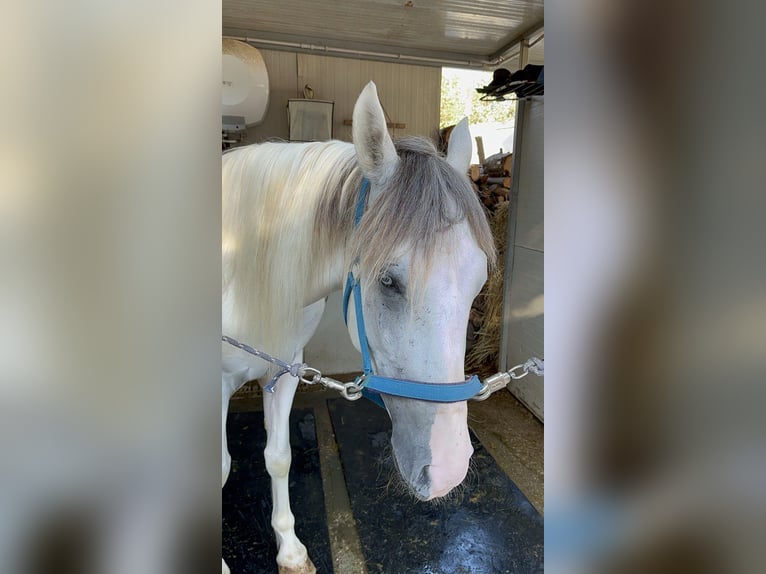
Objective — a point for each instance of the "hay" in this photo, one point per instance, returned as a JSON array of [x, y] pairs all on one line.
[[482, 355]]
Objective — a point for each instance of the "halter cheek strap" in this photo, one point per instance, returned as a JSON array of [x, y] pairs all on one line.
[[374, 384]]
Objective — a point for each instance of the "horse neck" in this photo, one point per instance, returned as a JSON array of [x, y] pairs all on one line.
[[325, 276], [333, 226], [327, 271]]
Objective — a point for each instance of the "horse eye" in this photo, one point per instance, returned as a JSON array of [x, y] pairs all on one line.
[[390, 285]]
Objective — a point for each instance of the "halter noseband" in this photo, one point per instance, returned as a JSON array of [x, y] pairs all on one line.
[[374, 384]]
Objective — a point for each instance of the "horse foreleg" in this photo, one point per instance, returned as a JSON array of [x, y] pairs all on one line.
[[292, 557]]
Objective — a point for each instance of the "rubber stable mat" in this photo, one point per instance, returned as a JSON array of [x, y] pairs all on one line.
[[491, 528], [249, 545]]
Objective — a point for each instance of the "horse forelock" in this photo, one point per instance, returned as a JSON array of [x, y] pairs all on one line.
[[419, 205]]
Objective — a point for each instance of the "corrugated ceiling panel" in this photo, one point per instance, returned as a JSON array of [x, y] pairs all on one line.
[[469, 27]]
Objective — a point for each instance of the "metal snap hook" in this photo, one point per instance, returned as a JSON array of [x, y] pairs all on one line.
[[483, 393], [361, 381], [351, 392], [314, 378], [513, 374]]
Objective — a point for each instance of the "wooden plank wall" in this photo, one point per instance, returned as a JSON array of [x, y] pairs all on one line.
[[409, 94], [282, 68]]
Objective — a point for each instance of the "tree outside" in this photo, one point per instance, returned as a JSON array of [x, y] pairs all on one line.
[[492, 121], [460, 99]]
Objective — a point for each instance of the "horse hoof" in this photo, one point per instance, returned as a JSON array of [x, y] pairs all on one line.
[[306, 568]]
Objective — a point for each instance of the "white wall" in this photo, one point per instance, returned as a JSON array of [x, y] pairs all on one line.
[[330, 350]]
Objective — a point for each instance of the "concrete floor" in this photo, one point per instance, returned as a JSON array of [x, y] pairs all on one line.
[[511, 434], [514, 438]]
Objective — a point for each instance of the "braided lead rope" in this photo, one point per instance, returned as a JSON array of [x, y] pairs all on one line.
[[535, 366], [349, 391], [295, 370]]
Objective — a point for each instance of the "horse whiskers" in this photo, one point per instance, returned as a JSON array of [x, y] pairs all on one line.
[[388, 468], [393, 484], [472, 476], [452, 497], [398, 483], [457, 494]]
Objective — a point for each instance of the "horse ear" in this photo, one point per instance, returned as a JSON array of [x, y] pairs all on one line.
[[460, 147], [374, 148]]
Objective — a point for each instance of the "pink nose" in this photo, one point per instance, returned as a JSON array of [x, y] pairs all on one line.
[[445, 477], [451, 449]]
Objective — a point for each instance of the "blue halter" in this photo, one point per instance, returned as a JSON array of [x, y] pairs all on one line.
[[375, 384]]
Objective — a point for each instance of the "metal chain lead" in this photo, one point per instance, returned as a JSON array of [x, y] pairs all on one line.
[[350, 391], [500, 380], [353, 391]]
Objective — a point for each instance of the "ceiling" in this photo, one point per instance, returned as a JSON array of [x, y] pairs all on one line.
[[469, 33]]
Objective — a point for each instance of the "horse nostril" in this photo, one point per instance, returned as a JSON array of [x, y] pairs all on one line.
[[422, 483]]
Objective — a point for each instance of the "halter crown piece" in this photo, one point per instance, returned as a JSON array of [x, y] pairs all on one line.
[[373, 385]]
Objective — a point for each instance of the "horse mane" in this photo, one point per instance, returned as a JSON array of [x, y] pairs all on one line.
[[288, 206]]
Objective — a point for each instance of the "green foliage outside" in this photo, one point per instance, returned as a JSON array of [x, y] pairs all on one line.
[[460, 99]]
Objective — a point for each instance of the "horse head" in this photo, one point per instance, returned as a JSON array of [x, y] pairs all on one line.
[[422, 250]]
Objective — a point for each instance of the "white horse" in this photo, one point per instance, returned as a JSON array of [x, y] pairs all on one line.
[[422, 250]]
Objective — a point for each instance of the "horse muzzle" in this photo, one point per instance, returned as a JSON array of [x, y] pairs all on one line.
[[431, 443]]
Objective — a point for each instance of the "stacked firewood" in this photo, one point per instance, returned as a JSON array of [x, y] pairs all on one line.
[[492, 180], [498, 165], [491, 194]]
